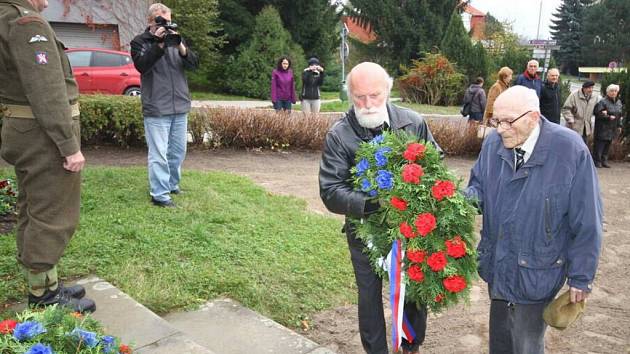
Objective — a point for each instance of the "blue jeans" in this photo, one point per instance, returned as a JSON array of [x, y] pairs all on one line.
[[166, 138], [282, 105]]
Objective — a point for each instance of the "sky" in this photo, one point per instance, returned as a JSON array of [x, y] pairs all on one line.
[[523, 14]]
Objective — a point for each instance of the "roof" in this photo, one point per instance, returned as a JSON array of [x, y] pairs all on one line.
[[357, 32], [599, 70], [473, 11]]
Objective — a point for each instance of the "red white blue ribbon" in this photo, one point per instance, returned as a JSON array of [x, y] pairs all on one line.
[[401, 328]]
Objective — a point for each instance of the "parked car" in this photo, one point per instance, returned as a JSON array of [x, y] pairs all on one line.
[[104, 71]]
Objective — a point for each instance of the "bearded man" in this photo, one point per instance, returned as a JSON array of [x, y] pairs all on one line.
[[369, 87]]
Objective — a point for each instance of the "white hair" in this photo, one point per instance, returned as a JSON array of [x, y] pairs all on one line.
[[533, 61], [554, 70], [155, 9], [526, 96], [389, 80], [612, 87]]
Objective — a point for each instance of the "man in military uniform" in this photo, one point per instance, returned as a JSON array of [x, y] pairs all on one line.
[[41, 138]]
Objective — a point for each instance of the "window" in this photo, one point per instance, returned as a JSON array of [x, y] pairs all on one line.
[[78, 59], [108, 59]]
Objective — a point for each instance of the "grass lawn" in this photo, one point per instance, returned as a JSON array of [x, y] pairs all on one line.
[[228, 237], [210, 96], [339, 106]]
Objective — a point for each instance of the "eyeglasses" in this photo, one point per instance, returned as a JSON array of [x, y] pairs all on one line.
[[505, 124]]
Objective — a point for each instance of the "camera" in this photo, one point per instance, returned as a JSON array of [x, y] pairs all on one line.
[[170, 39]]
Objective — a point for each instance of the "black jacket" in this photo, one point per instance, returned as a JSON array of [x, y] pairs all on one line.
[[550, 102], [164, 84], [605, 127], [310, 84], [477, 98], [338, 157]]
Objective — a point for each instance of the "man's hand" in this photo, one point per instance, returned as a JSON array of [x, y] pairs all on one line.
[[182, 49], [160, 33], [74, 162], [577, 295]]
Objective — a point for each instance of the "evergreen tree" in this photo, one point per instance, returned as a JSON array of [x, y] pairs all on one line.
[[567, 30], [479, 62], [457, 46], [200, 30], [250, 73], [606, 33]]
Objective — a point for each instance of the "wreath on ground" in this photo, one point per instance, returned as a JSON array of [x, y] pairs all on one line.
[[422, 209]]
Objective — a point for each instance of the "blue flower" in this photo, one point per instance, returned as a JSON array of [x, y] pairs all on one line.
[[377, 139], [362, 166], [384, 179], [373, 193], [27, 330], [87, 337], [365, 185], [39, 348], [108, 343], [381, 159]]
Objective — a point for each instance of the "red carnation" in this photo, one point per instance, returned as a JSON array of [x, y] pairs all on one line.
[[425, 223], [414, 151], [443, 189], [411, 173], [439, 298], [4, 183], [437, 261], [455, 283], [399, 204], [416, 256], [455, 248], [7, 326], [415, 273], [124, 349], [406, 230]]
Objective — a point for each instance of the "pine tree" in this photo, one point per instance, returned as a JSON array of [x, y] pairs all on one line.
[[457, 46], [479, 62], [567, 30], [250, 73], [606, 35]]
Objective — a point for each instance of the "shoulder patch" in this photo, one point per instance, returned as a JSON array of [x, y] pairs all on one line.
[[28, 19]]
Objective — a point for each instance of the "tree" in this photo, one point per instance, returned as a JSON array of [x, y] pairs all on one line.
[[200, 30], [405, 29], [606, 33], [567, 30], [479, 62], [250, 73], [456, 44]]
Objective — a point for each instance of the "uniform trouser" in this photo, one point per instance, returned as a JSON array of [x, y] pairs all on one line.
[[48, 195], [371, 317], [517, 328], [311, 106], [600, 150]]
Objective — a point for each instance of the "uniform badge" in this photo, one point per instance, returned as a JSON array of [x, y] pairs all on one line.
[[38, 38], [41, 57]]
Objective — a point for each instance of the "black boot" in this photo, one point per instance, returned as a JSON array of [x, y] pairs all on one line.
[[62, 298], [75, 291]]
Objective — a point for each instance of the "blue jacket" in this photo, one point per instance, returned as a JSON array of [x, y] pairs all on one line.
[[542, 223], [534, 84]]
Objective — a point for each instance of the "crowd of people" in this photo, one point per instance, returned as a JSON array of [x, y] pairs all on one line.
[[576, 112]]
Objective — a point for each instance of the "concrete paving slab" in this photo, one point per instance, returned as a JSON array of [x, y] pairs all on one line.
[[177, 343], [221, 325]]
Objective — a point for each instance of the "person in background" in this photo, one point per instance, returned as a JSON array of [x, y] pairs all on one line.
[[578, 109], [529, 78], [477, 98], [282, 85], [312, 79], [502, 84], [550, 97], [608, 122]]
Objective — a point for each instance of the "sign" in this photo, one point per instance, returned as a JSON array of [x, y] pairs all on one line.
[[543, 42]]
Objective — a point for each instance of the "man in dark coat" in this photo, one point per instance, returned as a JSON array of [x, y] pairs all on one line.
[[369, 86], [608, 117], [41, 138], [550, 97], [529, 78]]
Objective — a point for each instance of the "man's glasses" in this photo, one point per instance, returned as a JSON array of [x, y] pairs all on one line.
[[505, 124]]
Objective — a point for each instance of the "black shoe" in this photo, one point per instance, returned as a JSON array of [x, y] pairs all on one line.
[[605, 165], [598, 164], [60, 298], [75, 291], [176, 191], [165, 204]]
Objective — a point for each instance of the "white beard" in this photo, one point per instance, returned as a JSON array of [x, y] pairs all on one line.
[[372, 118]]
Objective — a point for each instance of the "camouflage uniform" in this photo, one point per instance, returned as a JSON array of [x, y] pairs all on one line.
[[40, 128]]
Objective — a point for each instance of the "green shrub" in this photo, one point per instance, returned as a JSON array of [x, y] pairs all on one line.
[[111, 119], [8, 196]]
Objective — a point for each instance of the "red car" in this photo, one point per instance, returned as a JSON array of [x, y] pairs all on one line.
[[104, 71]]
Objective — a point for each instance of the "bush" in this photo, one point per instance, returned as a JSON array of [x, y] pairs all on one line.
[[433, 80], [8, 196], [111, 119]]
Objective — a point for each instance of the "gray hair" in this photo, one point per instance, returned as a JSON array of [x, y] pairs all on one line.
[[157, 8], [533, 61], [389, 80], [612, 87]]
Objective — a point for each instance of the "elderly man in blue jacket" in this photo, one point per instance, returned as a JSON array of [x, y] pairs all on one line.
[[537, 188]]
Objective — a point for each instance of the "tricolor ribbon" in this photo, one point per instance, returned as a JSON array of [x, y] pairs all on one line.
[[401, 327]]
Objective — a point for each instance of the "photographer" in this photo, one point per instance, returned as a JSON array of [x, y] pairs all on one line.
[[312, 79], [161, 56]]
